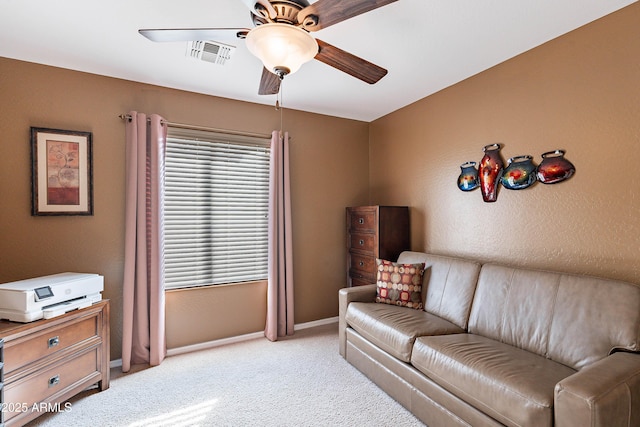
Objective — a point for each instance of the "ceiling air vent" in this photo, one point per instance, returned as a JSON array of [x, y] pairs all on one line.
[[209, 51]]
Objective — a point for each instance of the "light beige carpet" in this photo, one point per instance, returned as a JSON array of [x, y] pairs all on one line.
[[297, 381]]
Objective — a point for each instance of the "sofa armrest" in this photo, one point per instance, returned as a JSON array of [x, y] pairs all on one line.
[[366, 293], [605, 393]]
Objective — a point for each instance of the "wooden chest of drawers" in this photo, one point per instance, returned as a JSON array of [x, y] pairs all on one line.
[[2, 380], [374, 232], [46, 362]]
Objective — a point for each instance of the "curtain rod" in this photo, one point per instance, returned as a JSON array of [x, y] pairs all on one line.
[[192, 127]]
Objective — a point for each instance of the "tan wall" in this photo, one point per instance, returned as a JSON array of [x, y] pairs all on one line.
[[580, 93], [218, 313], [329, 172]]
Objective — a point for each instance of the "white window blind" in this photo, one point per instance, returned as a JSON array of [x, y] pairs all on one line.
[[216, 207]]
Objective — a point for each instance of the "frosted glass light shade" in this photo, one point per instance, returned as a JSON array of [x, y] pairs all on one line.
[[281, 46]]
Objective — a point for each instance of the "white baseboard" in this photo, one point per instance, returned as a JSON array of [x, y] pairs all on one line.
[[315, 323], [214, 343], [231, 340]]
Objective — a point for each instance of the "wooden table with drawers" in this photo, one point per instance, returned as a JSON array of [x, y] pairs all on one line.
[[46, 362]]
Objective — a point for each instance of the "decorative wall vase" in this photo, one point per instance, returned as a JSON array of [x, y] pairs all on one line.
[[520, 173], [490, 171], [554, 167], [468, 179]]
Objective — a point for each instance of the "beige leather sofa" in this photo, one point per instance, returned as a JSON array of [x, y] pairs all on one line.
[[498, 345]]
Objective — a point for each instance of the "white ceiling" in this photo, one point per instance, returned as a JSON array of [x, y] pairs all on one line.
[[426, 45]]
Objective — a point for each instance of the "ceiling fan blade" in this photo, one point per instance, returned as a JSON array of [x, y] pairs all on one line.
[[192, 34], [329, 12], [269, 83], [348, 63]]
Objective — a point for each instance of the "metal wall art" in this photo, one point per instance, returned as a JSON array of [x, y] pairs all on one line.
[[468, 179], [489, 172], [554, 167], [520, 172]]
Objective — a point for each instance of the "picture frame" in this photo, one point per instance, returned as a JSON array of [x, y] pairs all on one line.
[[61, 172]]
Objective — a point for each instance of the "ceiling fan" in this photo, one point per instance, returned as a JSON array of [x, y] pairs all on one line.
[[282, 40]]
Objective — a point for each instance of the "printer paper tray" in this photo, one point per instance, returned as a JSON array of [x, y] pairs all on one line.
[[49, 311]]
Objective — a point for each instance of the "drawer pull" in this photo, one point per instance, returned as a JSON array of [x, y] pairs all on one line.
[[361, 263], [360, 220], [52, 342], [53, 381], [361, 242]]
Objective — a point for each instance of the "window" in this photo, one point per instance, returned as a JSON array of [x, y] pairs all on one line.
[[216, 207]]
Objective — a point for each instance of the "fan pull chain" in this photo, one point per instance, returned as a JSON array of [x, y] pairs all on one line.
[[279, 106]]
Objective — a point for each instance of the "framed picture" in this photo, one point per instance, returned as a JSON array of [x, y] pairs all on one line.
[[61, 172]]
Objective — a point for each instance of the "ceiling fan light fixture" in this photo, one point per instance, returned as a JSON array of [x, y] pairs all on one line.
[[281, 46]]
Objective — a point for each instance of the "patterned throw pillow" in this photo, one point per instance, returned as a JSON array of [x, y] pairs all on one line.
[[399, 284]]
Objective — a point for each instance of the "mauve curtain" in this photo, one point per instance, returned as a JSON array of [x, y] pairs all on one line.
[[143, 335], [280, 264]]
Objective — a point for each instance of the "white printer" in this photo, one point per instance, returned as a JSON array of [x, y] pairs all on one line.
[[49, 296]]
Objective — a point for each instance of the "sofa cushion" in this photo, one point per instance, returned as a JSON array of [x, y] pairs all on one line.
[[449, 285], [573, 320], [399, 284], [512, 385], [393, 328]]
